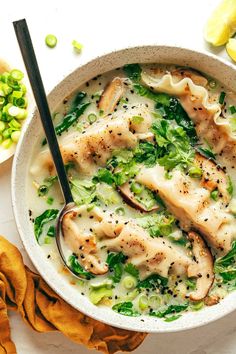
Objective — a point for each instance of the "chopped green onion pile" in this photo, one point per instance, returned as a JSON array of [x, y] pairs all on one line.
[[13, 107]]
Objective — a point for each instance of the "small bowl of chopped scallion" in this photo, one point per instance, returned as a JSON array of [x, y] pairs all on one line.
[[13, 110]]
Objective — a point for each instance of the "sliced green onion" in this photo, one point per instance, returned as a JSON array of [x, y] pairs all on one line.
[[47, 240], [77, 46], [136, 188], [212, 83], [15, 136], [42, 190], [195, 172], [2, 101], [13, 111], [6, 133], [6, 143], [2, 126], [51, 40], [222, 97], [197, 306], [22, 113], [155, 301], [232, 109], [14, 124], [50, 200], [215, 195], [92, 118], [16, 75], [120, 211], [143, 302], [129, 282]]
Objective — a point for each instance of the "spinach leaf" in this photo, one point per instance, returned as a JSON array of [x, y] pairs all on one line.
[[132, 270], [115, 261], [152, 282], [104, 175], [78, 269], [170, 309], [51, 231], [71, 118], [174, 111], [172, 318], [133, 71], [228, 274], [44, 218], [125, 308], [83, 191], [160, 98], [114, 258], [229, 258], [77, 109], [207, 153]]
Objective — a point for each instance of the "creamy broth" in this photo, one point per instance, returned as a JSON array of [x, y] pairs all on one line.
[[150, 195]]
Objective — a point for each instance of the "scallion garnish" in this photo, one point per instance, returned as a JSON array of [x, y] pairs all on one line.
[[232, 109], [51, 40], [222, 97]]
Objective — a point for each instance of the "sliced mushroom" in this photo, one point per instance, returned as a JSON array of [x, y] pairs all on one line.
[[213, 176], [111, 95], [82, 243], [130, 199], [212, 300], [195, 76], [202, 268]]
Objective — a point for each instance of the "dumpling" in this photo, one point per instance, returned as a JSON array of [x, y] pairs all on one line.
[[190, 202], [95, 146], [204, 112], [95, 230]]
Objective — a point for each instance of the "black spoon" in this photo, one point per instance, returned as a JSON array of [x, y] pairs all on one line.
[[28, 54]]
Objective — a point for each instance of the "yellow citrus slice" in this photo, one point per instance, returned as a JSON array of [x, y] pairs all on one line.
[[231, 48], [222, 23]]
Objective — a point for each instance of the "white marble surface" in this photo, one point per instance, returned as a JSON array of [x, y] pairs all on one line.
[[102, 26]]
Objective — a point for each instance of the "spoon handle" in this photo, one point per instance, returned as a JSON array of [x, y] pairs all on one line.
[[28, 54]]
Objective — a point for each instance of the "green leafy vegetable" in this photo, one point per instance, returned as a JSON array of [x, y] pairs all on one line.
[[229, 258], [152, 282], [132, 270], [104, 175], [133, 71], [115, 261], [146, 153], [51, 231], [160, 98], [158, 224], [71, 118], [78, 269], [170, 309], [176, 149], [172, 318], [78, 108], [222, 97], [125, 308], [174, 111], [41, 220], [207, 153], [83, 191]]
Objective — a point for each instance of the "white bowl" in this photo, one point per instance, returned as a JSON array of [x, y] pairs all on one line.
[[210, 64]]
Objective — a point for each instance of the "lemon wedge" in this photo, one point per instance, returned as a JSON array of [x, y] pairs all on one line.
[[222, 23], [231, 48]]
